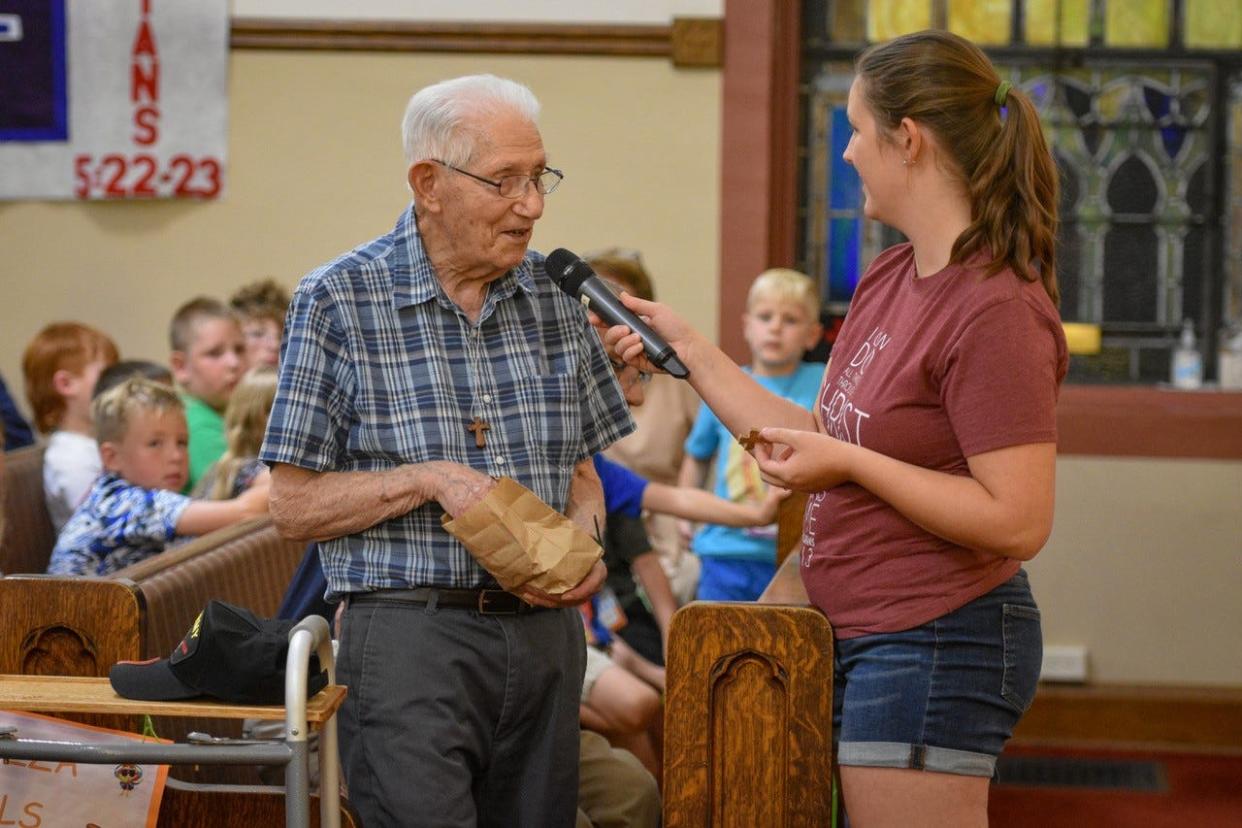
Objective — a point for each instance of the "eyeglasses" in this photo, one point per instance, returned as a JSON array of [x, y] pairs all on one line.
[[515, 186]]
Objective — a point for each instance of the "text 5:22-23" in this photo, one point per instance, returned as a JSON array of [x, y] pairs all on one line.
[[142, 176]]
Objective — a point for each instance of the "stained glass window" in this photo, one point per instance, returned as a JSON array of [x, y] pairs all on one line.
[[887, 19], [1213, 24], [1136, 23], [986, 22], [1233, 217], [1045, 27], [1151, 202], [840, 242]]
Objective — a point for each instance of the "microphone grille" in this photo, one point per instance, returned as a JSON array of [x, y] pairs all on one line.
[[567, 270]]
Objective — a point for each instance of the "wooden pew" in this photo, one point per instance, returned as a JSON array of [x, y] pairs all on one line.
[[190, 805], [51, 625], [26, 533], [748, 706]]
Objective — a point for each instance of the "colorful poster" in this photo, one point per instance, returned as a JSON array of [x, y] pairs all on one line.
[[113, 99], [44, 793]]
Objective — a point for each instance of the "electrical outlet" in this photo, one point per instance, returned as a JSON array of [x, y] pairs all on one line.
[[1064, 662]]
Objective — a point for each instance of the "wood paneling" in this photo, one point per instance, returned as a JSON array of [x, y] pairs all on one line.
[[1149, 422], [687, 42], [1204, 717]]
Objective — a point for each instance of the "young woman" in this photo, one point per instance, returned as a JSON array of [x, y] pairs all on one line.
[[930, 456]]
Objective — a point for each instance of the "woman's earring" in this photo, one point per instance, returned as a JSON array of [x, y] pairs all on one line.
[[905, 162]]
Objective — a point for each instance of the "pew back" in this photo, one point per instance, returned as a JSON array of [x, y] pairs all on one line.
[[81, 626], [27, 536], [748, 706]]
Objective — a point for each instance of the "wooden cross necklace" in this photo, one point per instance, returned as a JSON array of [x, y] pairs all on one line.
[[478, 425]]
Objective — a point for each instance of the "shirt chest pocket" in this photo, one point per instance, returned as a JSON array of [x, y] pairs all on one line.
[[543, 413]]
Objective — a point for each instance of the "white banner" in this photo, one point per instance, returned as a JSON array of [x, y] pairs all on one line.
[[113, 98], [44, 794]]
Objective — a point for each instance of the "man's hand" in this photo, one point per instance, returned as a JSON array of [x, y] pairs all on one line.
[[584, 590], [458, 487]]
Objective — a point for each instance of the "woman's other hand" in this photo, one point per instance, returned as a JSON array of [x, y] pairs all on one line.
[[802, 461]]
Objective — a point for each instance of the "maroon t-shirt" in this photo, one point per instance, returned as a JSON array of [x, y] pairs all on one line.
[[928, 371]]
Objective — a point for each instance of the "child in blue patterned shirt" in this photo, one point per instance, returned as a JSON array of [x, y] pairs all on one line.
[[134, 510]]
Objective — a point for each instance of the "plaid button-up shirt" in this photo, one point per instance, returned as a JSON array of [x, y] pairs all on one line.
[[380, 368]]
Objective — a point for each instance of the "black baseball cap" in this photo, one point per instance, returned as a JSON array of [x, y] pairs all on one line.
[[229, 653]]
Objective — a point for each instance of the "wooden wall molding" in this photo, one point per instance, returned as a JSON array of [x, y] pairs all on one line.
[[687, 42], [1138, 421], [1125, 714]]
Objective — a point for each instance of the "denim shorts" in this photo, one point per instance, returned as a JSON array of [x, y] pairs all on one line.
[[944, 696]]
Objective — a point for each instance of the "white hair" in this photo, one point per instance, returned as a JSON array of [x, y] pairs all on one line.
[[432, 126]]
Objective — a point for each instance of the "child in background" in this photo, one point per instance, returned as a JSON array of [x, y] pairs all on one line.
[[61, 365], [208, 358], [245, 420], [117, 373], [260, 308], [134, 509], [781, 322]]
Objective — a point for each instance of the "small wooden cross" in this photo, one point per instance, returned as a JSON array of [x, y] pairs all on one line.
[[748, 440], [478, 427]]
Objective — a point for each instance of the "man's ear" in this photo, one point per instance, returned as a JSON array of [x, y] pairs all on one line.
[[425, 185], [179, 362], [108, 454]]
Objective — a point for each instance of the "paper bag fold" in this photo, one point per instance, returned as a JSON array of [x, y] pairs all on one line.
[[523, 541]]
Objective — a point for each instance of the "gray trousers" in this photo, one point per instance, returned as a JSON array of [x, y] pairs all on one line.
[[459, 719]]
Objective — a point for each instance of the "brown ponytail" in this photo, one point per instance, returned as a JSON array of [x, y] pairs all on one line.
[[946, 84]]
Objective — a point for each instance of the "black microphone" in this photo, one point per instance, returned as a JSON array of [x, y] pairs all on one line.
[[576, 278]]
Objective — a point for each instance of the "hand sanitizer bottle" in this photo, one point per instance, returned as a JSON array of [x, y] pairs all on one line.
[[1187, 361]]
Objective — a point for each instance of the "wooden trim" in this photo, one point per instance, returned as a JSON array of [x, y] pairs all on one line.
[[688, 41], [1149, 422], [77, 694], [759, 183], [1200, 717]]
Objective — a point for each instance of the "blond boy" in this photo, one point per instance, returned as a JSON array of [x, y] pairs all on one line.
[[208, 359], [780, 324], [134, 509]]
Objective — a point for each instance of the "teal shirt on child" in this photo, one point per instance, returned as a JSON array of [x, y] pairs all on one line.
[[737, 475], [206, 426]]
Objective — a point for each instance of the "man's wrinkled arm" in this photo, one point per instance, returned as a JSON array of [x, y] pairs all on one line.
[[317, 506]]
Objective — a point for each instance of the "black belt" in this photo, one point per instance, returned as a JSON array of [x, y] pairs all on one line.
[[482, 601]]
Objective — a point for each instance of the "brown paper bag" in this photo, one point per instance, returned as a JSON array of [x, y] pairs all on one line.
[[523, 541]]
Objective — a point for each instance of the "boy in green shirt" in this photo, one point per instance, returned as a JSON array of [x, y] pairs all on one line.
[[208, 358]]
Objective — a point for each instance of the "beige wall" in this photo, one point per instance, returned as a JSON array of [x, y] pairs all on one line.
[[315, 167], [1144, 568]]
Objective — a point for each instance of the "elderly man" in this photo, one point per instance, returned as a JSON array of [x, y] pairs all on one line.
[[417, 368]]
